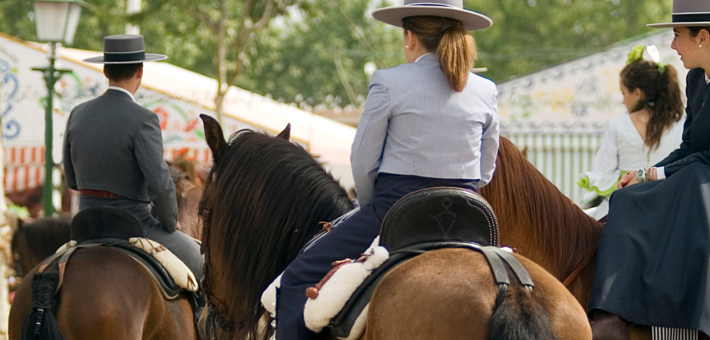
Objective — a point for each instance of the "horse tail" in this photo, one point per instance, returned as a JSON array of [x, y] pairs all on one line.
[[41, 324], [520, 317]]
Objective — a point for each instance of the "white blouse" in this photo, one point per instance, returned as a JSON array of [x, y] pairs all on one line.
[[623, 149]]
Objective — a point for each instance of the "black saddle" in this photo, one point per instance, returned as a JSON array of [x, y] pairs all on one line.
[[424, 220], [113, 227]]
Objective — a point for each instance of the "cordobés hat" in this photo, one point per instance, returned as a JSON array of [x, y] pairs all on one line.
[[125, 49], [688, 13], [439, 8]]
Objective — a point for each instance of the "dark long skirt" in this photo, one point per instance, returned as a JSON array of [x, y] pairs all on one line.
[[653, 261]]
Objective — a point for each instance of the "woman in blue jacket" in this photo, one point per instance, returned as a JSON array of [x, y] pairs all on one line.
[[427, 123]]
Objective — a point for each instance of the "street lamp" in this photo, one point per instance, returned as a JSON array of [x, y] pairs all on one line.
[[56, 22]]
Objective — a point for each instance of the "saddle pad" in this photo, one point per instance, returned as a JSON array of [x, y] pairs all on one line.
[[339, 287], [175, 268]]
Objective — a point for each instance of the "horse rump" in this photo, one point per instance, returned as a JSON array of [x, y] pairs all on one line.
[[520, 317], [40, 323]]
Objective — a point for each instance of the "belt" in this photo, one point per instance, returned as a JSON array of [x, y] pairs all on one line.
[[99, 193]]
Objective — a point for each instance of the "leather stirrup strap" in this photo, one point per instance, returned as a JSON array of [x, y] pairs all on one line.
[[520, 272]]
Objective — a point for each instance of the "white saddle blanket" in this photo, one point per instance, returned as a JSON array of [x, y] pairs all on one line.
[[333, 295], [181, 274]]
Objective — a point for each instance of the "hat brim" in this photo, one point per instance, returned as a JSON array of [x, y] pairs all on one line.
[[148, 57], [471, 20], [680, 24]]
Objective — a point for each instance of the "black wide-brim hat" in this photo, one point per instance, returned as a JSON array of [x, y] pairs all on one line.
[[453, 9], [688, 13], [125, 49]]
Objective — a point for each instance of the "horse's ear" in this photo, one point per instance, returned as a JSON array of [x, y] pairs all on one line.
[[286, 133], [214, 136]]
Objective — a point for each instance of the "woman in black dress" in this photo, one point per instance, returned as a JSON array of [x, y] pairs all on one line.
[[653, 261]]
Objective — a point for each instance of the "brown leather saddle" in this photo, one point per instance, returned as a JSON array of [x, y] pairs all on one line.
[[430, 219], [112, 227]]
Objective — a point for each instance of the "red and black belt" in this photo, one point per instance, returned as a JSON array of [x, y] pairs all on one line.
[[99, 193]]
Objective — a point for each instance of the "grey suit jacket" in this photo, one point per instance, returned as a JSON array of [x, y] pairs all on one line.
[[113, 144], [414, 123]]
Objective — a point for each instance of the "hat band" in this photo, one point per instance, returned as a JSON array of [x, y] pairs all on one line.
[[430, 4], [133, 56], [691, 17]]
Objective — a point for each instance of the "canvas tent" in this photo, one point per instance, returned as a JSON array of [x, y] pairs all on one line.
[[176, 95]]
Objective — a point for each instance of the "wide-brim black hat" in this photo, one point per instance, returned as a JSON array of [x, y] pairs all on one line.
[[688, 13], [125, 49], [453, 9]]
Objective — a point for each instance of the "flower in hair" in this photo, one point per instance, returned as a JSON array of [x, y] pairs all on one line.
[[635, 55], [651, 53]]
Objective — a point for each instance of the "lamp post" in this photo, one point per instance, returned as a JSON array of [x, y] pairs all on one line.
[[56, 22]]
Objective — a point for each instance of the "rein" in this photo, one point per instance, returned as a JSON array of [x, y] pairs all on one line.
[[575, 273], [217, 312]]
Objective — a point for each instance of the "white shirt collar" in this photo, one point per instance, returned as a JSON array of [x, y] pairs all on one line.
[[707, 79], [421, 56], [124, 91]]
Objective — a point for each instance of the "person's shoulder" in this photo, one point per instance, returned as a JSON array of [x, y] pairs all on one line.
[[481, 83], [696, 73]]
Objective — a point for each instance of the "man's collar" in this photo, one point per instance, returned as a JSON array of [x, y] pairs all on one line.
[[707, 79], [124, 91]]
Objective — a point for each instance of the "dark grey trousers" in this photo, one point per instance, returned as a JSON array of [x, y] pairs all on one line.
[[183, 246]]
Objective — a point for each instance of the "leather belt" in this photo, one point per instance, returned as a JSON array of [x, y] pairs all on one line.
[[99, 193]]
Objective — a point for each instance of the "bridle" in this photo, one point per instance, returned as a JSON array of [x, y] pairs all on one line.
[[217, 312]]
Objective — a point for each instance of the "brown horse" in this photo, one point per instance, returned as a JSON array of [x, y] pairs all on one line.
[[188, 194], [107, 295], [545, 226], [263, 200], [36, 240]]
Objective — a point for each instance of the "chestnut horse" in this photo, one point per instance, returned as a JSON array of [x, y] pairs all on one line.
[[108, 295], [545, 226], [263, 200]]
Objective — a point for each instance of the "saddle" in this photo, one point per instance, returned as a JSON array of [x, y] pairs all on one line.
[[425, 220], [112, 227]]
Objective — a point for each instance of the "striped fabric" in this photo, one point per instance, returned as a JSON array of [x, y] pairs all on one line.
[[665, 333], [24, 164]]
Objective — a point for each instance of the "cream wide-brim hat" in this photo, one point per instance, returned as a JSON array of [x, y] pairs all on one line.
[[688, 13], [453, 9]]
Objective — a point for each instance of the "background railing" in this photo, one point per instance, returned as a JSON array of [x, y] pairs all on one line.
[[560, 156]]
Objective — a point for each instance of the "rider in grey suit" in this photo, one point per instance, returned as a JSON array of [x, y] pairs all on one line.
[[113, 152]]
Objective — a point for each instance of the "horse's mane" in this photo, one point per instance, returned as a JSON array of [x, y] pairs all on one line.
[[523, 198], [268, 196]]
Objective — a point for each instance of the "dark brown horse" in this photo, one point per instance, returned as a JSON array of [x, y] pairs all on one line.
[[36, 240], [108, 295], [542, 224], [264, 198]]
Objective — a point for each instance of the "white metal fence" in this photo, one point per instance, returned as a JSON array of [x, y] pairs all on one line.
[[560, 156]]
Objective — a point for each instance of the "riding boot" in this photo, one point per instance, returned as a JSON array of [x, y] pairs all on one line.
[[607, 326]]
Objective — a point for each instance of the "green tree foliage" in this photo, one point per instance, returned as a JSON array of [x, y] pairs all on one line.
[[315, 56], [530, 34], [310, 53]]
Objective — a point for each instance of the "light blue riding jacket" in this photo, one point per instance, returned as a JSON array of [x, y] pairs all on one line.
[[414, 123]]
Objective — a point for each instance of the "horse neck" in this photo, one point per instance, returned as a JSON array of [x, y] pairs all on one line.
[[537, 220]]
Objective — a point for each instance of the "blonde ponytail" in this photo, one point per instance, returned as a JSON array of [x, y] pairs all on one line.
[[455, 48]]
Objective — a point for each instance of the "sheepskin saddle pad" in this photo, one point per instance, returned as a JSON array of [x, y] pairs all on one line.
[[424, 220], [120, 229]]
